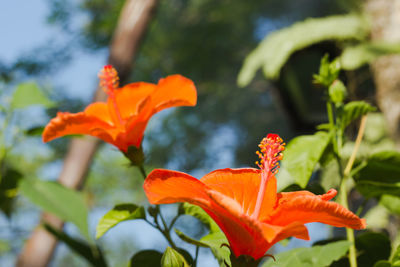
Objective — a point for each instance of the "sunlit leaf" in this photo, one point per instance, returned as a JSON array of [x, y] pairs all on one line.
[[28, 94], [65, 203], [354, 110], [146, 258], [199, 213], [173, 258], [354, 57], [214, 239], [119, 213], [92, 254], [272, 53], [328, 72], [377, 217], [392, 203], [302, 155], [316, 256], [381, 175], [190, 240], [5, 246], [396, 257]]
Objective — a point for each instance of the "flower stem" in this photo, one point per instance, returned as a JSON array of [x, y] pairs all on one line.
[[343, 190], [349, 232], [360, 135], [142, 171], [196, 255]]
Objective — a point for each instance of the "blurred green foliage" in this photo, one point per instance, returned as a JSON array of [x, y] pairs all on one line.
[[207, 41]]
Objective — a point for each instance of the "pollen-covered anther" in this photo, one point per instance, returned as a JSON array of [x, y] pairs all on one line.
[[109, 80], [270, 153]]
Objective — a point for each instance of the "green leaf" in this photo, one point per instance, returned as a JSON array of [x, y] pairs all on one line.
[[214, 239], [354, 110], [396, 257], [377, 217], [35, 131], [200, 214], [323, 127], [119, 213], [173, 258], [372, 247], [302, 155], [92, 254], [392, 203], [65, 203], [190, 240], [8, 189], [28, 94], [272, 53], [354, 57], [328, 71], [381, 175], [146, 258], [316, 256], [382, 263], [4, 246]]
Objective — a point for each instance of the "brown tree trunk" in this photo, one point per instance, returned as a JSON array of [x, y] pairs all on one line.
[[385, 23], [133, 21]]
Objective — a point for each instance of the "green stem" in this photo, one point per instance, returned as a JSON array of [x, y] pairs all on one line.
[[142, 171], [349, 232], [196, 255], [343, 190], [330, 113], [165, 231], [173, 221]]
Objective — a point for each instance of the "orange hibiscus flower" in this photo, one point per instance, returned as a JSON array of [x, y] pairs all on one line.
[[245, 203], [123, 119]]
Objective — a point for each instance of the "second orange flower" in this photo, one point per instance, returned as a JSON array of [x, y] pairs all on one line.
[[123, 119]]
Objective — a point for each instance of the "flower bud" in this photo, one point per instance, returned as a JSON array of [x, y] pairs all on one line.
[[337, 92]]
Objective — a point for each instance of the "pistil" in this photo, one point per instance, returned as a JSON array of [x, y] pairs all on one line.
[[109, 82], [270, 155]]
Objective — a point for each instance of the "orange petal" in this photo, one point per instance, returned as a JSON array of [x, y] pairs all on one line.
[[245, 235], [136, 125], [239, 184], [130, 98], [99, 110], [295, 229], [269, 200], [305, 207], [79, 123], [172, 91], [165, 186], [242, 185]]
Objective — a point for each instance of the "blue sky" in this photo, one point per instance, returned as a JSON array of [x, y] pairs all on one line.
[[24, 28]]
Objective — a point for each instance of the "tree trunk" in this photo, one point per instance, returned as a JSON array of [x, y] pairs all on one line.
[[133, 21], [385, 23]]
